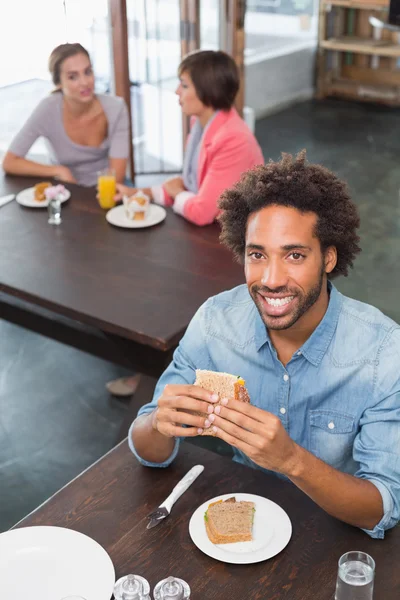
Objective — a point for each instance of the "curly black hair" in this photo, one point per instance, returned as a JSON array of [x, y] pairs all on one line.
[[298, 184]]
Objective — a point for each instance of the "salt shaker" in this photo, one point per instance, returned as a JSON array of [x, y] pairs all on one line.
[[172, 588], [132, 587]]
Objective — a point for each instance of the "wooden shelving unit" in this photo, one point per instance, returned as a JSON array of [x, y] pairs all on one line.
[[355, 60]]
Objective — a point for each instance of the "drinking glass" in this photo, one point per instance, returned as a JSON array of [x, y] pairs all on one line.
[[106, 188], [54, 211], [355, 580]]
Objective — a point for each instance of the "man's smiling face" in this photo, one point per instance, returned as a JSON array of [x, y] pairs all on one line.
[[284, 266]]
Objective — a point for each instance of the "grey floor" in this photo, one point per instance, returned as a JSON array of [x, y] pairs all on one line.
[[53, 425]]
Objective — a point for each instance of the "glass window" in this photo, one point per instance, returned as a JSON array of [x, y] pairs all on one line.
[[275, 27], [154, 57], [27, 43]]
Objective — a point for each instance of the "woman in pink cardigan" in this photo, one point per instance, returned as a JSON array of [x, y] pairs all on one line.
[[220, 146]]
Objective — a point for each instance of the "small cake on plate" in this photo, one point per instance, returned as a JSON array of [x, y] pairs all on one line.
[[136, 206], [39, 191]]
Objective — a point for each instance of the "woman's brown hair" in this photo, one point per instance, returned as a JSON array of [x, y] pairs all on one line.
[[57, 57], [215, 77]]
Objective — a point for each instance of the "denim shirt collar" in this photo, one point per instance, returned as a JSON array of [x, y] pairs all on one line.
[[317, 344]]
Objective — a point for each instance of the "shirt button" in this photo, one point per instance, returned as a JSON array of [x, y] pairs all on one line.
[[331, 425], [299, 353], [286, 377], [282, 411]]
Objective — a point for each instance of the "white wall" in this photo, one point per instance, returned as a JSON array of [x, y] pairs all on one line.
[[276, 82], [280, 60]]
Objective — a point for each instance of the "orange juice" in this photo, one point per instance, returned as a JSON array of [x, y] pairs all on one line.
[[106, 185]]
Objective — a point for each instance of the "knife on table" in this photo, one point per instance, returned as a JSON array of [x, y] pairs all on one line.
[[165, 508]]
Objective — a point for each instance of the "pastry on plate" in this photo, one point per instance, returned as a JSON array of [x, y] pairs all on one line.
[[39, 189], [136, 206]]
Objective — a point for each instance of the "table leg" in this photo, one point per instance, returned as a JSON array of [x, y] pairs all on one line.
[[143, 394]]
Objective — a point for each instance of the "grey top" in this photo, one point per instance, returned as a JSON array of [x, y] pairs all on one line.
[[192, 154], [83, 161]]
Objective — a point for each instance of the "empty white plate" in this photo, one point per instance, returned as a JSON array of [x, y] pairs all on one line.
[[116, 216], [50, 563], [272, 531], [27, 198]]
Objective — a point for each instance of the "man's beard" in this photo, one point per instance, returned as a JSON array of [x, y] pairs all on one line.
[[305, 302]]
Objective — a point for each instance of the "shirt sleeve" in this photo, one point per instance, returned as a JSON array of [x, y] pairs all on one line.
[[34, 128], [377, 446], [190, 355], [119, 143]]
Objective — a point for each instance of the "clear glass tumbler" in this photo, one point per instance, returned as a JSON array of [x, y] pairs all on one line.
[[355, 580], [54, 211]]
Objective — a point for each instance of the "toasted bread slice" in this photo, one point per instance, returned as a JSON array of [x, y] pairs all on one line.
[[229, 521], [223, 384]]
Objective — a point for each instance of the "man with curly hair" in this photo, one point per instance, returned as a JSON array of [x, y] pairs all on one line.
[[322, 370]]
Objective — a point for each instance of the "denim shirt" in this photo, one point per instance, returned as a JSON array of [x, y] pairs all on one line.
[[338, 396]]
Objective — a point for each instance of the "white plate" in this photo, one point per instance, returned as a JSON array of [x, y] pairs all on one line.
[[116, 216], [272, 531], [27, 198], [49, 563]]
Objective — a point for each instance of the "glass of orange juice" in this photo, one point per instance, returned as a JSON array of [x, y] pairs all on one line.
[[106, 188]]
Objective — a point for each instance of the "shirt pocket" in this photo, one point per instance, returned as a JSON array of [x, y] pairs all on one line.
[[332, 436]]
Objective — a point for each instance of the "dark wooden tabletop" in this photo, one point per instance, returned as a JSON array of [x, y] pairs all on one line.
[[143, 285], [110, 501]]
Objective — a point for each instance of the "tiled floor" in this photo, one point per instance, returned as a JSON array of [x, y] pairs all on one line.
[[56, 417]]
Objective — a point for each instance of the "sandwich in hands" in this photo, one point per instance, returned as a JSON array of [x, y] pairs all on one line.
[[229, 521], [223, 384]]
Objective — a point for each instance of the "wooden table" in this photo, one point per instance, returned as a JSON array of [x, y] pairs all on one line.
[[110, 501], [124, 295]]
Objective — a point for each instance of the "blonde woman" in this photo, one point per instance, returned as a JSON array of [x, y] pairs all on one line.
[[85, 131]]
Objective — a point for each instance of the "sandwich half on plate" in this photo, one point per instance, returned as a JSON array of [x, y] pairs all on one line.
[[223, 384], [229, 521]]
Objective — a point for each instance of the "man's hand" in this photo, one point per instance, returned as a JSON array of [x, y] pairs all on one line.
[[174, 186], [170, 414], [258, 433], [63, 174]]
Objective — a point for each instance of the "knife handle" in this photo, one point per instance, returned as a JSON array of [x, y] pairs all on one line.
[[182, 486]]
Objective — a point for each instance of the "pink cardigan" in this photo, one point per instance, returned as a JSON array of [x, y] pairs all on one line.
[[228, 150]]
